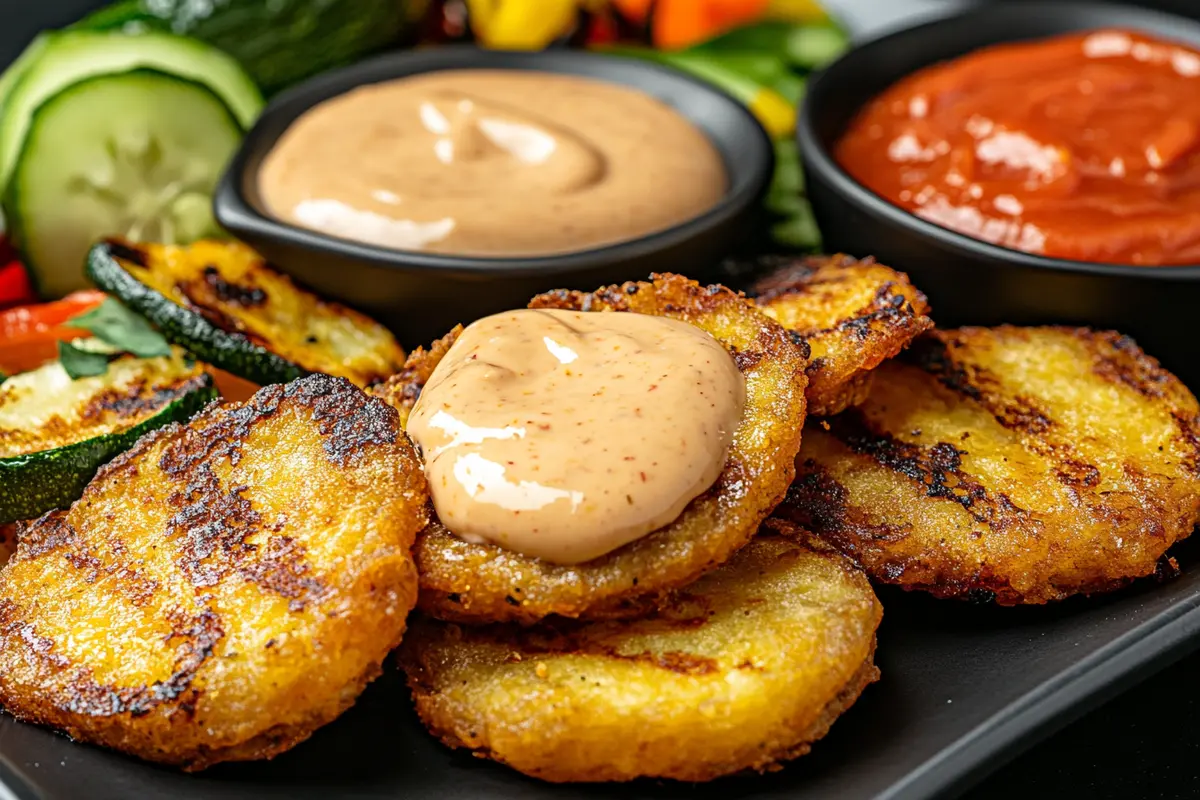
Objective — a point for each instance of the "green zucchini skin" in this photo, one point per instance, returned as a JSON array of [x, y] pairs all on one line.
[[231, 352], [279, 43], [32, 484]]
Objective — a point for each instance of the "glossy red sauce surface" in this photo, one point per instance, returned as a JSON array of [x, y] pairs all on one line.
[[1084, 147]]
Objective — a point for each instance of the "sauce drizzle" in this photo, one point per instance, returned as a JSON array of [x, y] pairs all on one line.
[[564, 435]]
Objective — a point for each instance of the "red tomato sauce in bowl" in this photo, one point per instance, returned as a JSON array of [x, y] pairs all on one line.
[[1083, 147]]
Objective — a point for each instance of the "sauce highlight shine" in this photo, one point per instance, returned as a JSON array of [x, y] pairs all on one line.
[[1083, 147], [491, 163], [563, 435]]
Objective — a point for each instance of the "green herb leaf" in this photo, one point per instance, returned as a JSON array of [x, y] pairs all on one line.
[[79, 363], [114, 324]]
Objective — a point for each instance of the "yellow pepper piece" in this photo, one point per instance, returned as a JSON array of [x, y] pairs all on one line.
[[521, 24], [774, 111], [796, 11]]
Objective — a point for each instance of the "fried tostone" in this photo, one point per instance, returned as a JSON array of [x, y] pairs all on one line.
[[1022, 465], [467, 582], [855, 314], [224, 588], [744, 669]]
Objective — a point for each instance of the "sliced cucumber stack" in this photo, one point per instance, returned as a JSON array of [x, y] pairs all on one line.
[[108, 134]]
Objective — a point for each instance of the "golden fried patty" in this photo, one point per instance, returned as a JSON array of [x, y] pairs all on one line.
[[743, 669], [854, 314], [1024, 464], [485, 583], [224, 588]]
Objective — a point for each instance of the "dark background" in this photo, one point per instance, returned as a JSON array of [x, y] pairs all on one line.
[[1144, 745]]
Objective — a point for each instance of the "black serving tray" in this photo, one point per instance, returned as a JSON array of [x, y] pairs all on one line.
[[964, 689]]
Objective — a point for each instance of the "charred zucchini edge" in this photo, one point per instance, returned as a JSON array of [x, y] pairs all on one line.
[[226, 350], [33, 483]]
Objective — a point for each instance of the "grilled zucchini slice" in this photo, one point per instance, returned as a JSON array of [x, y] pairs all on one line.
[[55, 432], [223, 302]]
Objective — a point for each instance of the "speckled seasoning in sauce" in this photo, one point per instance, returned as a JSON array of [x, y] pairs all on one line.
[[491, 163], [564, 435]]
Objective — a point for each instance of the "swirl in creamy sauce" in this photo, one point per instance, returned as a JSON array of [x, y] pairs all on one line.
[[491, 163]]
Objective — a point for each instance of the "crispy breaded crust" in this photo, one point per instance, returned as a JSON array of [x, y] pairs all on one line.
[[854, 313], [741, 670], [224, 588], [1020, 464], [484, 583]]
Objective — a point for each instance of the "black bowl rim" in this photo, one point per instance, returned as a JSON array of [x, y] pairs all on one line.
[[234, 212], [817, 158]]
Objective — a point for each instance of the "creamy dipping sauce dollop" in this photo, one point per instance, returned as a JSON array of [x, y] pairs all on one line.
[[491, 163], [563, 435]]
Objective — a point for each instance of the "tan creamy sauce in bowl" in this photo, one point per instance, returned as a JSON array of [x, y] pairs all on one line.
[[497, 163], [563, 435]]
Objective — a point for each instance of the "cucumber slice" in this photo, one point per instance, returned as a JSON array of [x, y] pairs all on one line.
[[135, 154], [18, 68], [55, 432], [68, 57]]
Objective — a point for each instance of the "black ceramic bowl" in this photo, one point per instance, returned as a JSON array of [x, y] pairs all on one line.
[[969, 281], [422, 295]]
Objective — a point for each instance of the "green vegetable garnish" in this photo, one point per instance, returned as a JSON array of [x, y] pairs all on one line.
[[79, 363], [114, 324]]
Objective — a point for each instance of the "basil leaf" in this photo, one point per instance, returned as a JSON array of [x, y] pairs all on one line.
[[80, 363], [114, 324]]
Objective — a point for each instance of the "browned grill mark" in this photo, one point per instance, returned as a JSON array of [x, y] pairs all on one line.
[[790, 275], [890, 309], [192, 300], [934, 353], [682, 663], [887, 308], [213, 525], [131, 404], [818, 503], [127, 252], [281, 568], [52, 533], [1077, 474], [937, 469], [249, 296], [568, 638], [195, 637], [350, 420], [47, 534], [139, 398], [1118, 360]]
